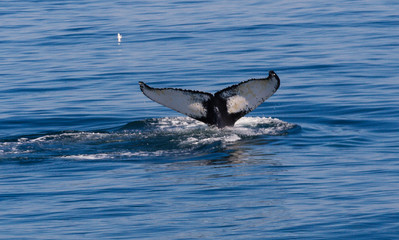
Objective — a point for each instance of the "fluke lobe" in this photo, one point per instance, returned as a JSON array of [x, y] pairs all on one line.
[[221, 109]]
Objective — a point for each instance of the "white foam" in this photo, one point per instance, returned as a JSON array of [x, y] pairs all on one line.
[[207, 140], [89, 156], [254, 121], [13, 148], [182, 134], [178, 123], [232, 138], [116, 155], [73, 136], [255, 126]]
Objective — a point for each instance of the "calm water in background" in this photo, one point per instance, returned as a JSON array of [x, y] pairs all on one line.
[[84, 155]]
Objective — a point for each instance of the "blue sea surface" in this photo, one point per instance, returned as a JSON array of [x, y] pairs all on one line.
[[85, 155]]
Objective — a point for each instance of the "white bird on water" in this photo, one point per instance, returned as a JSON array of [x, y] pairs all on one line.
[[119, 37]]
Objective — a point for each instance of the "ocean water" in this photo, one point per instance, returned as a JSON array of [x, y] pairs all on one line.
[[85, 155]]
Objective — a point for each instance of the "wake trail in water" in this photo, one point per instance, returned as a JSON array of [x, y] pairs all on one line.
[[159, 137]]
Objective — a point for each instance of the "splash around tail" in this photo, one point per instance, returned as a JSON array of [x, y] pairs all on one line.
[[221, 109]]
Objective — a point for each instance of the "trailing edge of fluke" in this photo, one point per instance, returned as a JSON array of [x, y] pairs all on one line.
[[221, 109]]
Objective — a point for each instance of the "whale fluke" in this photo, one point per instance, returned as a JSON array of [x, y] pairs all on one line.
[[221, 109]]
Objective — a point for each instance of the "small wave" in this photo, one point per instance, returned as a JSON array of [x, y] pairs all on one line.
[[115, 155], [254, 125], [147, 138]]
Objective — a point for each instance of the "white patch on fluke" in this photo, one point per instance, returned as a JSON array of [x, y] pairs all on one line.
[[236, 104], [197, 109]]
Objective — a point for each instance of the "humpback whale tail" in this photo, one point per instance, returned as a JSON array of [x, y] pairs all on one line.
[[221, 109]]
